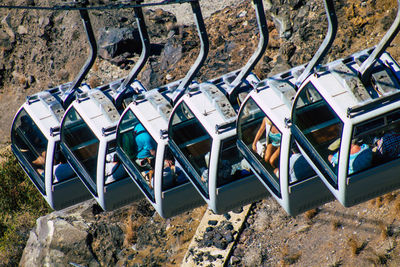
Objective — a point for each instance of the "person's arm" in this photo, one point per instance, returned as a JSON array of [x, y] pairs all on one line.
[[259, 133]]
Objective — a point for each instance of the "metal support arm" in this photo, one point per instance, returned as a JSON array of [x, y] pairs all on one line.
[[262, 46], [326, 44], [366, 68], [201, 29]]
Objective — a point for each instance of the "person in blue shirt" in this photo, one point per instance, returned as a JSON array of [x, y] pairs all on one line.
[[145, 151], [299, 168], [360, 157]]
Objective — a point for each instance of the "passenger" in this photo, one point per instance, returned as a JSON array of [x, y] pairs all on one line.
[[360, 157], [224, 169], [169, 175], [113, 169], [272, 143], [62, 170], [299, 169], [145, 152], [145, 147], [388, 146]]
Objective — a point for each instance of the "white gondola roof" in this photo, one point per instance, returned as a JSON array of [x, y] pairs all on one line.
[[340, 84], [277, 94], [210, 106], [153, 111], [97, 110]]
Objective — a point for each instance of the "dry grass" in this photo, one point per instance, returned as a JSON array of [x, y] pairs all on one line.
[[336, 224], [252, 256], [94, 81], [395, 209], [310, 214], [355, 245], [289, 256], [131, 226]]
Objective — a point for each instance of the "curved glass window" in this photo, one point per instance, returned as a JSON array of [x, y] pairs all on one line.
[[193, 141], [31, 145], [231, 164], [139, 150], [321, 127], [83, 144], [375, 142], [262, 139]]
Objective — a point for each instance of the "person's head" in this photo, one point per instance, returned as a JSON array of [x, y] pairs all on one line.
[[295, 149], [356, 141]]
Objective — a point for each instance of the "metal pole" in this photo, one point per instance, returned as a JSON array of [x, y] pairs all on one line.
[[326, 44], [68, 95], [366, 68], [262, 46], [201, 29], [144, 37]]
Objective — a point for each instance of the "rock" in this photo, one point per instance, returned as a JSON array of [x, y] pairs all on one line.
[[114, 42], [57, 239], [7, 27], [22, 30]]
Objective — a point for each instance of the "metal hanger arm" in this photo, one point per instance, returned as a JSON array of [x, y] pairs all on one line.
[[326, 44], [144, 55], [68, 95], [262, 46], [204, 47], [366, 68]]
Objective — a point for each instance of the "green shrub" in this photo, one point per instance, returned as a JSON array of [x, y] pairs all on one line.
[[20, 205]]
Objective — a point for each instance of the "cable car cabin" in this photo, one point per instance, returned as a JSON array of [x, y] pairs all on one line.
[[35, 142], [88, 140], [202, 136], [350, 132], [265, 142], [144, 151]]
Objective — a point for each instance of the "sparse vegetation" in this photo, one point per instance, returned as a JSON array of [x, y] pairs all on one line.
[[20, 205], [355, 245], [311, 213], [289, 257]]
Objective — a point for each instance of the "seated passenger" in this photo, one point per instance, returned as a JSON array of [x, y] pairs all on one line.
[[113, 169], [299, 168], [388, 146], [360, 157], [62, 170], [272, 143], [145, 146], [224, 171], [145, 152], [169, 176]]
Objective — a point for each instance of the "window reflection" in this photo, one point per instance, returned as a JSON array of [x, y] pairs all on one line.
[[173, 174], [193, 141], [113, 170], [262, 138], [320, 125], [139, 148], [32, 145], [299, 169], [62, 171], [82, 143], [231, 164]]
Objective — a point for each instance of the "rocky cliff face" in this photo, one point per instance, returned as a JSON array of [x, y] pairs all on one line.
[[38, 50]]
